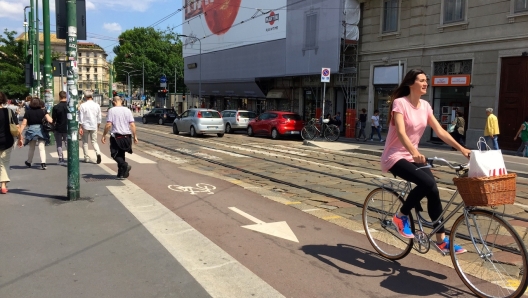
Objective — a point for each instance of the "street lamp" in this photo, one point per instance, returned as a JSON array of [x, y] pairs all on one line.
[[128, 78], [128, 64], [200, 81]]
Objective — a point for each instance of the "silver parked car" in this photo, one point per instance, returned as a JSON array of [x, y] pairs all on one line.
[[237, 120], [199, 121]]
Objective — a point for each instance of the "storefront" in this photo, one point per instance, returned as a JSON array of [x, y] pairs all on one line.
[[450, 94], [386, 80]]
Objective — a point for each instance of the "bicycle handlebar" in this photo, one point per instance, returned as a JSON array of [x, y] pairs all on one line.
[[458, 167]]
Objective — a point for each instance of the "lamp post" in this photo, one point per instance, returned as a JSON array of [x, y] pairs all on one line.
[[128, 64], [200, 81]]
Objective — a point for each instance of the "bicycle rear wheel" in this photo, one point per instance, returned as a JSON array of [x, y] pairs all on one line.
[[495, 262], [308, 132], [331, 133], [380, 205]]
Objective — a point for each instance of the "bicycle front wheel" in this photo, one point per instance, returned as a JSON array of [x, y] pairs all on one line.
[[380, 205], [331, 133], [495, 262], [308, 132]]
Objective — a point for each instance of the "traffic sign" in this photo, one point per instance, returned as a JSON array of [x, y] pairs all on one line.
[[325, 75], [142, 97], [163, 79]]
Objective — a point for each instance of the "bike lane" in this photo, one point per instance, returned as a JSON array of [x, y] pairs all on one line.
[[294, 252]]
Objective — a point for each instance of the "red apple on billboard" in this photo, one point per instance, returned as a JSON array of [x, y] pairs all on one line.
[[220, 14]]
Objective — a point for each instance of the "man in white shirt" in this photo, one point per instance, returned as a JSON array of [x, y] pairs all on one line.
[[89, 122]]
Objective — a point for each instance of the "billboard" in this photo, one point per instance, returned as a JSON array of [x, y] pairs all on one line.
[[225, 24]]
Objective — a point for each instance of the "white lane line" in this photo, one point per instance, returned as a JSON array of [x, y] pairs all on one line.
[[244, 214], [223, 276], [226, 152], [91, 154], [139, 159], [310, 210], [165, 156], [280, 150]]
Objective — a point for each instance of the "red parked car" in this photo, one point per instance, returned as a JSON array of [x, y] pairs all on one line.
[[276, 124]]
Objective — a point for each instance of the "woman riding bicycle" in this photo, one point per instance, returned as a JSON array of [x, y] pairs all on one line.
[[407, 121]]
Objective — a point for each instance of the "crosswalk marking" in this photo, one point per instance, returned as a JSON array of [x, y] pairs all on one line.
[[105, 159]]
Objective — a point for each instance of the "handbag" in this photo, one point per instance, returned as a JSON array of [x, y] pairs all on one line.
[[46, 125], [13, 128], [451, 128], [486, 163]]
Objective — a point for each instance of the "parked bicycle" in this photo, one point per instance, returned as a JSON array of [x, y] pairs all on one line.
[[330, 132], [495, 262]]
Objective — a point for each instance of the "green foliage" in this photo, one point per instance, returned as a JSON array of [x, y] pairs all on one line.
[[12, 80], [159, 51]]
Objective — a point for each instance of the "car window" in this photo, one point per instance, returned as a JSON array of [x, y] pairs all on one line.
[[246, 114], [273, 116], [252, 115], [192, 113], [263, 116], [210, 114], [225, 113], [185, 114], [232, 114], [291, 116]]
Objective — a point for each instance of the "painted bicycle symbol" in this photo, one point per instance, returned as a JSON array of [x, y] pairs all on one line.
[[200, 187]]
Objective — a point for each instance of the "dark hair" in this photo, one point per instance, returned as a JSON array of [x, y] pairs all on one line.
[[42, 104], [363, 110], [62, 94], [460, 114], [35, 103], [403, 89], [376, 111], [3, 98], [526, 119]]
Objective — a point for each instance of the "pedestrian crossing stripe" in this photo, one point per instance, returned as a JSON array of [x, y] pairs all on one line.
[[105, 159]]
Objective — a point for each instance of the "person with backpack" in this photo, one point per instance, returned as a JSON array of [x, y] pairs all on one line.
[[60, 118], [523, 133]]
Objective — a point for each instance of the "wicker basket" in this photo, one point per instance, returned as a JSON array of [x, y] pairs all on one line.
[[487, 191]]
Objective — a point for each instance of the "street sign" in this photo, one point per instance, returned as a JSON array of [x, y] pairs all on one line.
[[325, 75], [143, 97], [114, 86], [163, 79]]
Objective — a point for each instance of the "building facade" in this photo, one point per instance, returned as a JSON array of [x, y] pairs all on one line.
[[474, 52], [272, 58]]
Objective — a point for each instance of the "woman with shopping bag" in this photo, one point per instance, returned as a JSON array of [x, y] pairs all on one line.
[[408, 117]]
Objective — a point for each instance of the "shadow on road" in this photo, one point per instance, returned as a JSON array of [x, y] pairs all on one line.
[[356, 261]]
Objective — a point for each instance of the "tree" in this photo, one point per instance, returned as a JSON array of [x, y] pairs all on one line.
[[160, 51], [12, 77]]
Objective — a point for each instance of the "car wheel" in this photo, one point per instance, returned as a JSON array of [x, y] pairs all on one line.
[[160, 121], [193, 132], [250, 131], [175, 129], [144, 120], [228, 128], [220, 135], [274, 134]]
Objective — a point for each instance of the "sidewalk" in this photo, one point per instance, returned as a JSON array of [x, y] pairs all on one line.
[[93, 247]]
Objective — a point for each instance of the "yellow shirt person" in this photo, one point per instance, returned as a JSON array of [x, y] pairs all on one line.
[[491, 131]]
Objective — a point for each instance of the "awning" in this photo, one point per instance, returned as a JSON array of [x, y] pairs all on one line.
[[228, 89], [277, 93]]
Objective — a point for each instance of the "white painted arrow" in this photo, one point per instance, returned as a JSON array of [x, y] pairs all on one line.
[[278, 229]]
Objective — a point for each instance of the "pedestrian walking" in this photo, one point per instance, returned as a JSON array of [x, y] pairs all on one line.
[[35, 135], [458, 133], [60, 118], [491, 131], [337, 119], [6, 141], [523, 133], [375, 125], [89, 123], [362, 125], [120, 124]]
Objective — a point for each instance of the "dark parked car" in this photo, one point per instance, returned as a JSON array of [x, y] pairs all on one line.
[[160, 116], [276, 124]]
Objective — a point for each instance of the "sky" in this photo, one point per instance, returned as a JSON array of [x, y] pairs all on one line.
[[105, 19]]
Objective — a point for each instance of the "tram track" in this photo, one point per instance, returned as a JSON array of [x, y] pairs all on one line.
[[311, 172]]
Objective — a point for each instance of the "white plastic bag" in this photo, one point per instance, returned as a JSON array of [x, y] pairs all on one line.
[[486, 163]]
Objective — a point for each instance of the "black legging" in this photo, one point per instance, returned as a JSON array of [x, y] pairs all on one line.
[[425, 187]]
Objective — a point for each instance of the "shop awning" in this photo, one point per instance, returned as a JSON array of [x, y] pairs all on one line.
[[228, 89], [277, 93]]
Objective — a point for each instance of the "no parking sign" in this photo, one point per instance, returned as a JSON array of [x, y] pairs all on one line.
[[325, 75]]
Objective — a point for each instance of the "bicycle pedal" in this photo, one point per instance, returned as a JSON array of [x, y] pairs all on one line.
[[443, 253]]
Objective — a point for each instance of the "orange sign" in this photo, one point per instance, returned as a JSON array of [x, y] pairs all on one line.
[[454, 80]]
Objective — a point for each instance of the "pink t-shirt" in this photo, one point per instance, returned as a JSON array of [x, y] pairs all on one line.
[[415, 120]]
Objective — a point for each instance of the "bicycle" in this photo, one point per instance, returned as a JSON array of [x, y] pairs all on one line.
[[330, 132], [495, 262]]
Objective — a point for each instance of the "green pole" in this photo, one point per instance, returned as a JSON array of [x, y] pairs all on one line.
[[74, 191], [48, 78], [110, 83], [37, 50], [32, 43]]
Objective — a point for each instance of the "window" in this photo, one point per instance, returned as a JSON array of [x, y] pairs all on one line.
[[80, 54], [521, 6], [454, 11], [80, 85], [310, 30], [390, 16], [95, 77], [95, 69]]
